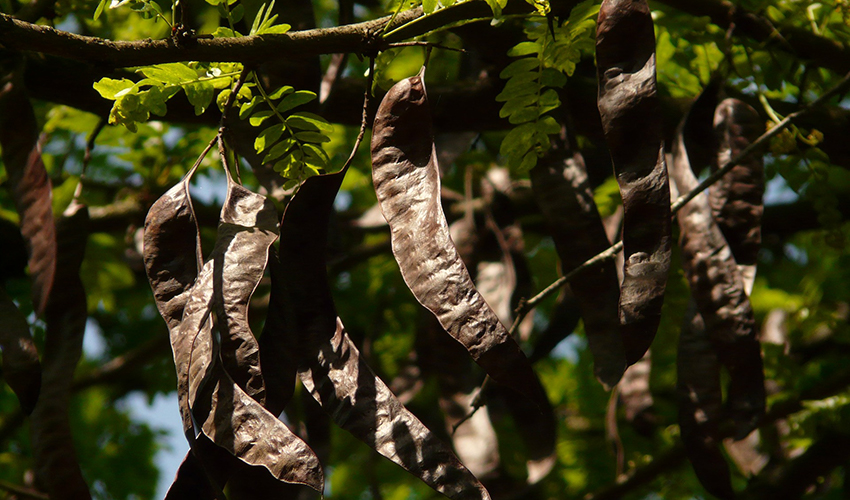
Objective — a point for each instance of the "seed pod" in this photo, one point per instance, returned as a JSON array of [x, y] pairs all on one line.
[[29, 185], [636, 396], [330, 366], [407, 182], [204, 387], [566, 200], [700, 405], [737, 198], [718, 290], [53, 448], [247, 229], [631, 121], [172, 261]]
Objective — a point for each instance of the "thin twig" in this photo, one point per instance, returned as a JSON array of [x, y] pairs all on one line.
[[425, 44]]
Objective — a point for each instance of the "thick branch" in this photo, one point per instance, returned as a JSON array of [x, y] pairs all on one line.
[[357, 38]]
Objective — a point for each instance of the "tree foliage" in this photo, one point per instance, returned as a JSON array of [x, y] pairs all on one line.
[[471, 297]]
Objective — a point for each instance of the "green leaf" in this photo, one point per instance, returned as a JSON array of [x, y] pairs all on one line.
[[289, 163], [246, 109], [429, 6], [518, 140], [221, 100], [155, 7], [315, 155], [99, 9], [588, 9], [259, 117], [525, 49], [524, 115], [258, 19], [200, 95], [518, 86], [312, 137], [520, 66], [548, 125], [528, 161], [548, 101], [268, 136], [110, 89], [277, 29], [237, 13], [279, 149], [552, 78], [171, 73], [154, 99], [515, 105], [295, 99], [309, 121], [277, 94], [223, 32]]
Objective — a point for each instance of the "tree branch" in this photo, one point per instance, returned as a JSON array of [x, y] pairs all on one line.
[[353, 38]]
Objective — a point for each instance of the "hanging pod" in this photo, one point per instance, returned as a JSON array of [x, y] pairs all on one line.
[[407, 181]]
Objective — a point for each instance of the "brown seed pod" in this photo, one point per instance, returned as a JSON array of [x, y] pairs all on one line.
[[205, 388], [566, 200], [247, 228], [330, 366], [717, 287], [407, 181], [737, 198], [29, 185], [631, 121], [701, 405]]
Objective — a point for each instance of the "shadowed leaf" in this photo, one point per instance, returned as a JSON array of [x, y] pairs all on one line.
[[407, 181], [631, 121]]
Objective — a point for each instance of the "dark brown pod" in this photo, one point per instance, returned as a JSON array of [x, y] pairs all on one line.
[[737, 199], [701, 405], [57, 467], [407, 181], [717, 287], [566, 200], [330, 366], [226, 414], [29, 185], [247, 228], [631, 121]]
